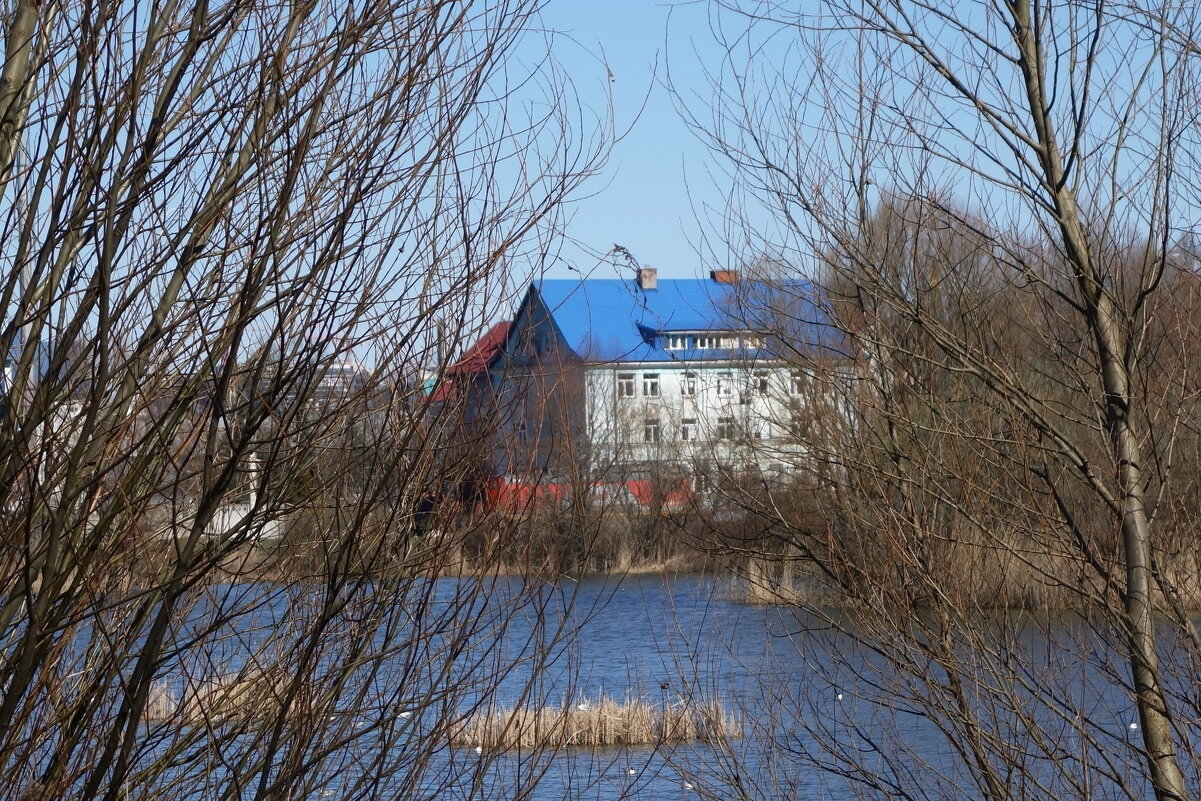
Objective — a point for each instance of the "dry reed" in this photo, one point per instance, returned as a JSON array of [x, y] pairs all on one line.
[[220, 699], [161, 703], [603, 723]]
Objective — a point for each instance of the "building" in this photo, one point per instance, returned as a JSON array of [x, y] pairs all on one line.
[[603, 381], [464, 417]]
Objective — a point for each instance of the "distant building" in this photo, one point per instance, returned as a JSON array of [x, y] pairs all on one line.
[[646, 379], [38, 369], [311, 385]]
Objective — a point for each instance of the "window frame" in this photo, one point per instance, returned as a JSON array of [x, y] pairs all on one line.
[[675, 341], [689, 385], [725, 384]]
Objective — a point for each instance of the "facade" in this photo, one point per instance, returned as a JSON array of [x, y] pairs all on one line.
[[464, 415], [647, 379]]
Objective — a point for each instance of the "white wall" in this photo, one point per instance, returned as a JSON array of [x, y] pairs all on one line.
[[742, 414]]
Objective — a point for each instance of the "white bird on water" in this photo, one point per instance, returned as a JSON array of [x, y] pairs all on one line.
[[1133, 725], [582, 706]]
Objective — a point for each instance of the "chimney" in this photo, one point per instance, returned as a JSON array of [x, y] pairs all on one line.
[[724, 276], [648, 278]]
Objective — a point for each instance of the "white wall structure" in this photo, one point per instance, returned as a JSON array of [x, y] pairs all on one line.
[[602, 379]]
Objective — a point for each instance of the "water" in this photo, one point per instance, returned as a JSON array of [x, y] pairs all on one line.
[[827, 717], [1044, 701]]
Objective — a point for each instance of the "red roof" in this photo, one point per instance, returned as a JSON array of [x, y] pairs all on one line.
[[474, 361], [479, 355]]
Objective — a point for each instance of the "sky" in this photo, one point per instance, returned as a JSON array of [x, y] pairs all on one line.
[[659, 177]]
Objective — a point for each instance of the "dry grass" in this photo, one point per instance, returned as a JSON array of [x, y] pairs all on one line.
[[224, 698], [774, 579], [161, 703], [601, 723]]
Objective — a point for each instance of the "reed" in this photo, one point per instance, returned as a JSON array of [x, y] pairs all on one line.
[[161, 703], [604, 722], [229, 697], [237, 696]]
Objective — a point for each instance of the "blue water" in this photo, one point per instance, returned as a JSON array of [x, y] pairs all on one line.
[[823, 716]]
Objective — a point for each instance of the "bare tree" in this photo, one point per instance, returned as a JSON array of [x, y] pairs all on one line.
[[230, 233], [999, 198]]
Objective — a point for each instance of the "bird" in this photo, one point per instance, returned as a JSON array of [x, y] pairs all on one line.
[[687, 786], [405, 714], [479, 749], [839, 696], [631, 772], [582, 706], [1133, 725]]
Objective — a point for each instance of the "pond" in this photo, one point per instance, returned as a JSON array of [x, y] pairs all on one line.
[[824, 716], [1039, 704]]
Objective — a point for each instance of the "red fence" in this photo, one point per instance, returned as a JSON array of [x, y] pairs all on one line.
[[646, 494]]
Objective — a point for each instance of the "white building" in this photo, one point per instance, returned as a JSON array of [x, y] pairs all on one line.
[[603, 380]]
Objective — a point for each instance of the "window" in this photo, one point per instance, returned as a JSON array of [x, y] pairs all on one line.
[[798, 418], [725, 428], [678, 342], [797, 382], [761, 382], [625, 385], [688, 387], [718, 340], [689, 432], [523, 432], [725, 384], [650, 385], [650, 430]]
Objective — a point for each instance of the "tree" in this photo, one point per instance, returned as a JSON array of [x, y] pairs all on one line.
[[998, 197], [209, 210]]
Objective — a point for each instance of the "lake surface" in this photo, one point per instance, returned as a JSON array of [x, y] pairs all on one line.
[[823, 717], [809, 696]]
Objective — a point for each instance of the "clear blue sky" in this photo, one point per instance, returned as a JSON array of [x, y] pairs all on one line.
[[659, 177]]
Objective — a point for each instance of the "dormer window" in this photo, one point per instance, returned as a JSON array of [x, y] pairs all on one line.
[[711, 340]]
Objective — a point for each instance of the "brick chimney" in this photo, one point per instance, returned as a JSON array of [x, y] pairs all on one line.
[[724, 276], [648, 278]]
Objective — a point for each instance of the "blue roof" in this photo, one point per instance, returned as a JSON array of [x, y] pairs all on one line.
[[616, 320]]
